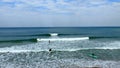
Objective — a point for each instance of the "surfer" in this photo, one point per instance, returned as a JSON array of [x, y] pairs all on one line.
[[50, 50], [93, 56], [49, 41], [50, 53]]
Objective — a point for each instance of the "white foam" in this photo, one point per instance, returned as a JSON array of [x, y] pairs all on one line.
[[19, 51], [59, 63], [62, 39], [47, 50], [62, 46], [100, 48], [54, 34]]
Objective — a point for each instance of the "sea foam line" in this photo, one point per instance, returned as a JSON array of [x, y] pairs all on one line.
[[47, 50], [19, 51], [62, 39]]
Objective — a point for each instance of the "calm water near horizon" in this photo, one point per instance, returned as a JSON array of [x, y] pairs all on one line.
[[19, 47]]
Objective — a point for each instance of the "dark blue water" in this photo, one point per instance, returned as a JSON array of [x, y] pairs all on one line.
[[19, 47], [41, 32]]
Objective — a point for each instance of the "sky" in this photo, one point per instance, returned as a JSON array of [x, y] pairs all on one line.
[[59, 13]]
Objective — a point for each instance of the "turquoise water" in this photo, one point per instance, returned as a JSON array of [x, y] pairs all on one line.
[[20, 48]]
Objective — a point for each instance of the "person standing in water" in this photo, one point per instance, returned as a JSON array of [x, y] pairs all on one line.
[[50, 48], [49, 41]]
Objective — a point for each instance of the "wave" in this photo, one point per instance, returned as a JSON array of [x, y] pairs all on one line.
[[20, 40], [25, 35], [46, 34], [4, 50], [62, 39], [35, 37], [58, 34], [57, 39], [45, 39], [102, 37], [53, 34]]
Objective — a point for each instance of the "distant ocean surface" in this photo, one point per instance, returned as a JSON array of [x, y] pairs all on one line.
[[20, 47]]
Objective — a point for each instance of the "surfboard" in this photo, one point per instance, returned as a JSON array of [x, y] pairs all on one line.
[[93, 56]]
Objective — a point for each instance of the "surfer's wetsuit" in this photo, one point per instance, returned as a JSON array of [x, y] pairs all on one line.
[[50, 50], [93, 56], [49, 41]]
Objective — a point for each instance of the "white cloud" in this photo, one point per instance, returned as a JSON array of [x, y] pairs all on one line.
[[60, 6], [81, 12]]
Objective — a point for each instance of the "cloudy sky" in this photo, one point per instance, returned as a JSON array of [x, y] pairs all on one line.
[[52, 13]]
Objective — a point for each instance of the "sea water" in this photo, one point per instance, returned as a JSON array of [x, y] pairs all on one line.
[[20, 48]]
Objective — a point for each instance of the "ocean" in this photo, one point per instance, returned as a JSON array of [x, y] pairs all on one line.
[[60, 47]]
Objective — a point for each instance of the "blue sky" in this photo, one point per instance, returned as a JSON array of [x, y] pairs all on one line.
[[53, 13]]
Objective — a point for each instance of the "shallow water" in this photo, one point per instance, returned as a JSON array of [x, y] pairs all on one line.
[[35, 60]]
